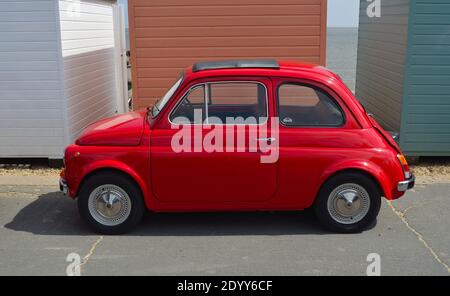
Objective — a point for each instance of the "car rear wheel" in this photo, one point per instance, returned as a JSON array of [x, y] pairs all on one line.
[[110, 203], [348, 203]]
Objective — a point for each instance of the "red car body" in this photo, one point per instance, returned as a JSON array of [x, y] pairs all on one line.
[[139, 146]]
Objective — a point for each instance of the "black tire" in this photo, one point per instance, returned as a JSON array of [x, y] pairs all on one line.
[[125, 183], [321, 203]]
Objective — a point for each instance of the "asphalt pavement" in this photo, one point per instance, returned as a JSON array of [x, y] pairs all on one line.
[[40, 228]]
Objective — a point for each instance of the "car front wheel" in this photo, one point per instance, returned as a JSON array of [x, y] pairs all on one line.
[[110, 203], [348, 203]]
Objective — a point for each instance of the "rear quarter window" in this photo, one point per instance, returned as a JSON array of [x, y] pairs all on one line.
[[302, 105]]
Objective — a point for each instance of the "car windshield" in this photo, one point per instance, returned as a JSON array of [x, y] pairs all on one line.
[[159, 105]]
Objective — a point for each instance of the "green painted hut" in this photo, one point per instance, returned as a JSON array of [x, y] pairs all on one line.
[[403, 72]]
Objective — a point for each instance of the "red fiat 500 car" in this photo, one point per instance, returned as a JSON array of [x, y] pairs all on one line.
[[239, 136]]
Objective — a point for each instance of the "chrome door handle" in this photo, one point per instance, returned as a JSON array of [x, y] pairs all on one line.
[[266, 139]]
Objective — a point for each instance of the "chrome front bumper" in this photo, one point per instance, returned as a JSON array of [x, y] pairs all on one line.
[[63, 186], [407, 184]]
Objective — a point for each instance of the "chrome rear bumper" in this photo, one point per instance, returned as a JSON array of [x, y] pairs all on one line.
[[63, 186], [407, 184]]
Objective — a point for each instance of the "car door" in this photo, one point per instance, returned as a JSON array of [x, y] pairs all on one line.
[[314, 126], [219, 166]]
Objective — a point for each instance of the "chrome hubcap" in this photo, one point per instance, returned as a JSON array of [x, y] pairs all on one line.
[[109, 205], [348, 203]]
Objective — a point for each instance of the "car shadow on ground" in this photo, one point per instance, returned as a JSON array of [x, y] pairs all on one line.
[[54, 214]]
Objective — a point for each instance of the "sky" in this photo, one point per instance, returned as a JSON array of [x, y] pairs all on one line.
[[341, 13]]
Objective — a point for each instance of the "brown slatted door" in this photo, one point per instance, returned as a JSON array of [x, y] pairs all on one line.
[[169, 35]]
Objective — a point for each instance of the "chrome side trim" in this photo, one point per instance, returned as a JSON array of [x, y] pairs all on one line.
[[206, 100]]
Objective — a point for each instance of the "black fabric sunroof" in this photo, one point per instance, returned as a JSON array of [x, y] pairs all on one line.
[[271, 64]]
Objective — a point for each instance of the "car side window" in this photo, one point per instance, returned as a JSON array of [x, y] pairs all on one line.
[[218, 102], [237, 100], [191, 109], [302, 105]]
